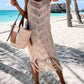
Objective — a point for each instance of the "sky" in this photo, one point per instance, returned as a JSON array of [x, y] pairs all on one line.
[[5, 4]]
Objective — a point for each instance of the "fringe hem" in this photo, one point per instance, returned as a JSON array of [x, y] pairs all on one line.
[[51, 63]]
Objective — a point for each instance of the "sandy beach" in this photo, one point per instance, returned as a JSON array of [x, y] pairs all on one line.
[[69, 45]]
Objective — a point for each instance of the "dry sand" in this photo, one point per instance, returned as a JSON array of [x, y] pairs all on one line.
[[69, 45]]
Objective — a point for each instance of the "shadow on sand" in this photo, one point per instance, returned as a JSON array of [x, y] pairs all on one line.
[[15, 62], [69, 55], [20, 62], [79, 26]]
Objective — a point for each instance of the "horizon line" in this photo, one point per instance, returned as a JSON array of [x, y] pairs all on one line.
[[8, 10]]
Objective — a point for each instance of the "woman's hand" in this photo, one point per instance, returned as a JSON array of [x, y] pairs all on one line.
[[14, 2]]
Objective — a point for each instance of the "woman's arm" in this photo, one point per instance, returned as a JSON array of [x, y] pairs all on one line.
[[26, 2], [15, 3]]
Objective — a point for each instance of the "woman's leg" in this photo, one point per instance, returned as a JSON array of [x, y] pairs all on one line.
[[59, 73], [35, 76]]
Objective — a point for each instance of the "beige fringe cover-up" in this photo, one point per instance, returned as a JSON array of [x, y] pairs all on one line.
[[42, 52]]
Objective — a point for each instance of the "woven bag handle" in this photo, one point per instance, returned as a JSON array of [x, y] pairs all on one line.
[[13, 26], [21, 21]]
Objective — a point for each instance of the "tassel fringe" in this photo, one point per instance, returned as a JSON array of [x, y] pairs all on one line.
[[51, 63]]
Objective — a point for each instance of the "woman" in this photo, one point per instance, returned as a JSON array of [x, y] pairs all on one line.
[[43, 55]]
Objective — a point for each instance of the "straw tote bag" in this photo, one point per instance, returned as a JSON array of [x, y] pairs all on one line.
[[19, 36]]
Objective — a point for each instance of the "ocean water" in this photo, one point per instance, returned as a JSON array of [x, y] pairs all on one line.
[[11, 15], [7, 15]]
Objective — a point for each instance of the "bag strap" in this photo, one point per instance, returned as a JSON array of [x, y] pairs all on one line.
[[21, 22], [27, 21], [13, 26]]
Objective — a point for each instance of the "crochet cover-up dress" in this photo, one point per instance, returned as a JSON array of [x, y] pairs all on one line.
[[42, 52]]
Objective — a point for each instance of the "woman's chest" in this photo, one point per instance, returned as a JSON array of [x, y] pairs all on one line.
[[39, 4]]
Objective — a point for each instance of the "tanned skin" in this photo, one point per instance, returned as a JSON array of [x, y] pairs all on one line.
[[35, 74]]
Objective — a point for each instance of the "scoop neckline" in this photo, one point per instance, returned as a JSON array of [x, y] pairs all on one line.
[[38, 1]]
